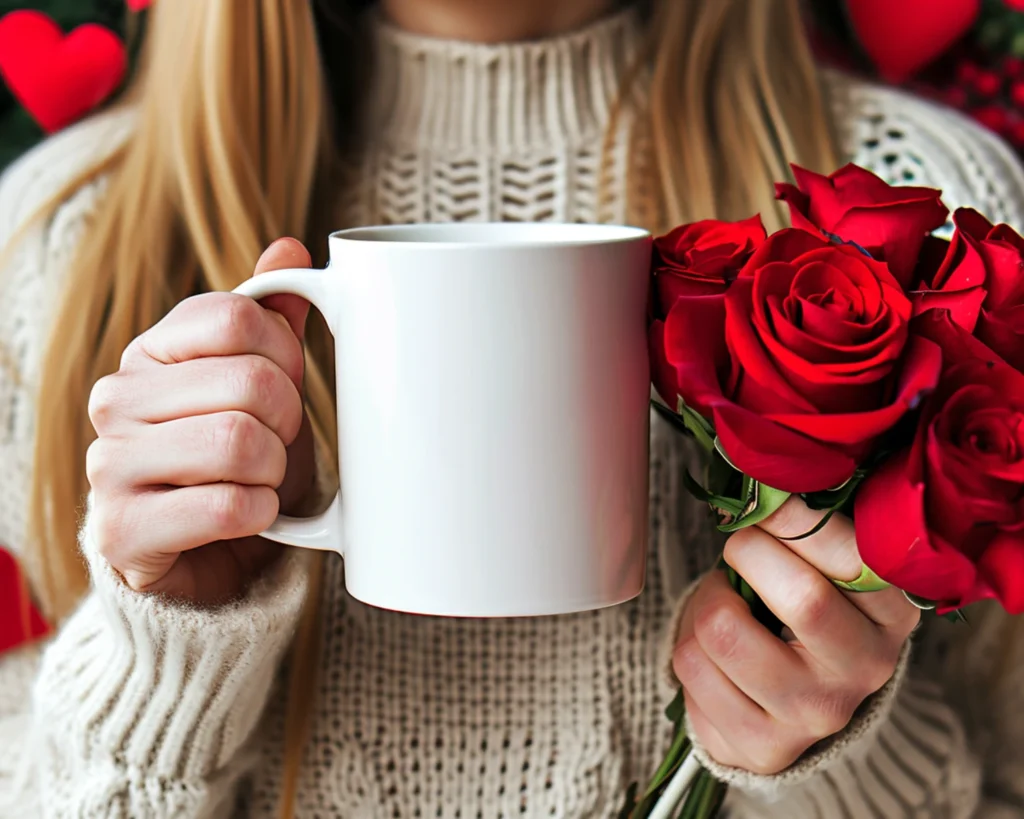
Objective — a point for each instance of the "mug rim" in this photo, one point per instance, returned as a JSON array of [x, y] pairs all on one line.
[[461, 234]]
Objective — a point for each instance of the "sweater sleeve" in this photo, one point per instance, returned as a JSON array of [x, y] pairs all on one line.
[[143, 707], [139, 706]]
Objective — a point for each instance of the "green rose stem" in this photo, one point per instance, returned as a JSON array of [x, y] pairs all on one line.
[[739, 501]]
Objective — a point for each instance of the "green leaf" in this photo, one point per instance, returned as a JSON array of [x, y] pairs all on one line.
[[762, 501], [675, 709], [723, 479], [835, 498], [956, 616], [747, 593], [701, 799], [721, 451], [681, 746], [730, 507], [627, 809], [921, 602], [698, 425]]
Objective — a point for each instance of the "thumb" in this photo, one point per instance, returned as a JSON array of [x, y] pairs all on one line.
[[280, 254]]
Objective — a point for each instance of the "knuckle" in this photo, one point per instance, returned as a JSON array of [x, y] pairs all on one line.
[[258, 382], [132, 352], [101, 463], [239, 319], [809, 600], [229, 507], [716, 626], [688, 660], [104, 399], [235, 437]]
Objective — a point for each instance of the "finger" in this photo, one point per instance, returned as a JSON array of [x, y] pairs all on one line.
[[140, 531], [203, 386], [284, 253], [213, 575], [711, 738], [833, 552], [226, 446], [836, 634], [763, 667], [214, 325], [740, 721], [832, 549]]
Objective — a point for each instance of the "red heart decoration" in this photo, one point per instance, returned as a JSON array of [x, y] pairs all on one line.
[[20, 621], [139, 5], [903, 36], [58, 79]]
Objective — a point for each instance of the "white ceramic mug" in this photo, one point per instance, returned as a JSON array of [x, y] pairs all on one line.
[[493, 390]]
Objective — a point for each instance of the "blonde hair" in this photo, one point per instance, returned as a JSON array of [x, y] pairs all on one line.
[[236, 146]]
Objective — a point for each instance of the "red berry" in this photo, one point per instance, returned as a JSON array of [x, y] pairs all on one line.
[[1013, 66], [1017, 134], [955, 96], [1017, 93], [992, 116], [988, 83], [966, 72]]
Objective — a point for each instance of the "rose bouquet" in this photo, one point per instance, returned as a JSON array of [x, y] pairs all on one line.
[[864, 364]]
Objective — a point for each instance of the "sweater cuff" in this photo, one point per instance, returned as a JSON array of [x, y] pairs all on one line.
[[919, 765], [140, 688], [852, 741]]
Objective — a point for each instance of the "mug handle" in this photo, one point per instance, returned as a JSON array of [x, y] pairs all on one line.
[[323, 531]]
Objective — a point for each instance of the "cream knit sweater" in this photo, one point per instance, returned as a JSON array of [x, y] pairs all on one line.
[[140, 707]]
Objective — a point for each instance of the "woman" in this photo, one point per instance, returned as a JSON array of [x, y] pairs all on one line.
[[184, 679]]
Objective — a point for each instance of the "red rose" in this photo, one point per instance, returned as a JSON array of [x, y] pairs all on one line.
[[951, 274], [944, 518], [889, 222], [802, 364], [1001, 324], [702, 258]]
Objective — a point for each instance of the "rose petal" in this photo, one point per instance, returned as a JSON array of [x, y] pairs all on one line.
[[922, 363], [958, 345], [964, 306], [1001, 572], [785, 244], [663, 375], [894, 540], [673, 286], [1003, 332], [897, 234], [777, 456], [749, 359], [694, 346]]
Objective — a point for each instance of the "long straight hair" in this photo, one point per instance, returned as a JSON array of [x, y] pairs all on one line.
[[243, 136]]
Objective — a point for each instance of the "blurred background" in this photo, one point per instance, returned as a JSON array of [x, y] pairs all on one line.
[[965, 53]]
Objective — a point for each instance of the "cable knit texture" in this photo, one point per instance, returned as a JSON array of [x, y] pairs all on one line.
[[144, 708]]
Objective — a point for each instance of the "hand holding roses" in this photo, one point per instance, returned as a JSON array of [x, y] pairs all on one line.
[[756, 702]]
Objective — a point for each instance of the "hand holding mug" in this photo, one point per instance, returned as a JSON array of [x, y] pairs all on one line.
[[201, 440]]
